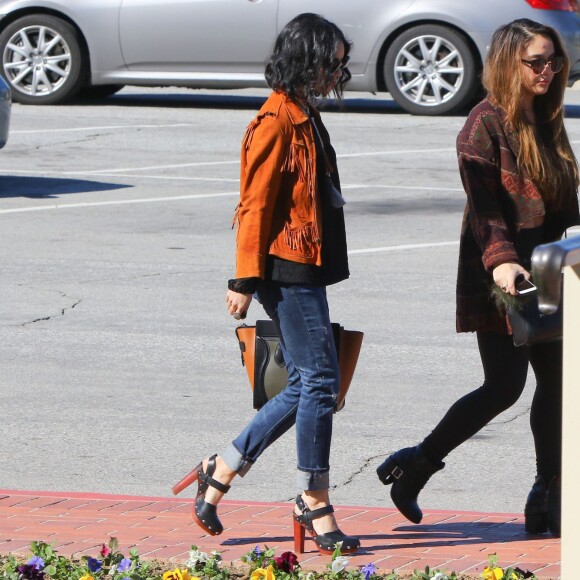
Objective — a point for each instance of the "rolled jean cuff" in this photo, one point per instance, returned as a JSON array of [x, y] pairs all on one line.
[[234, 460], [312, 480]]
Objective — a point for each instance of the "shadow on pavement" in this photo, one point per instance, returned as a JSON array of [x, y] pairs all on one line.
[[419, 536], [48, 187], [221, 101]]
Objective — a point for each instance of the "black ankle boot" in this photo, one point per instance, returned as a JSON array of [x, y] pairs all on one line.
[[408, 470], [555, 506], [536, 510]]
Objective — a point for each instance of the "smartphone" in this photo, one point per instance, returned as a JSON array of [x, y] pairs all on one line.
[[524, 286]]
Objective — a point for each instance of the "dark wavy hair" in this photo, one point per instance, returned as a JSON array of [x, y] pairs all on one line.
[[304, 57]]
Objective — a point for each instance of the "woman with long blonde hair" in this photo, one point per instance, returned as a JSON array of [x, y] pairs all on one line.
[[520, 176]]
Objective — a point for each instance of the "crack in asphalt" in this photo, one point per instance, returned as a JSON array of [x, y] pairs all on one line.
[[349, 478], [517, 416], [125, 278], [62, 312], [362, 468]]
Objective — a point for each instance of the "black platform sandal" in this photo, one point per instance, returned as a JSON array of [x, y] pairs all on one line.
[[326, 543], [204, 514]]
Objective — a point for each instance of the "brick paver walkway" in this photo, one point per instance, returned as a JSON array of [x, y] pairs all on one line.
[[78, 523]]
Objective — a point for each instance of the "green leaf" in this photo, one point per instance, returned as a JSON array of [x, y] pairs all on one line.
[[50, 570], [336, 552]]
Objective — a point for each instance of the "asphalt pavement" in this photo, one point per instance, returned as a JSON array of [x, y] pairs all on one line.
[[119, 368]]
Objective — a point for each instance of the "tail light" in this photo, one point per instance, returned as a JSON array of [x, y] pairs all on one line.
[[566, 5]]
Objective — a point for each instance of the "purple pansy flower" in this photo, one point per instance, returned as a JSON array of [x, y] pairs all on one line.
[[123, 565], [29, 572], [94, 564], [368, 570], [256, 553], [286, 562], [37, 562]]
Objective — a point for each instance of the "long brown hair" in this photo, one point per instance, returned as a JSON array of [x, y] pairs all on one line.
[[546, 156]]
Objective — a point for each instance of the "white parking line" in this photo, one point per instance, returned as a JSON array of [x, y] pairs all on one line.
[[397, 152], [116, 202], [131, 176], [405, 187], [171, 177], [402, 247], [103, 128], [150, 167]]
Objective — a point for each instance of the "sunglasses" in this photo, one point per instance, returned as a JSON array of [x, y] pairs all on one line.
[[538, 65], [340, 65]]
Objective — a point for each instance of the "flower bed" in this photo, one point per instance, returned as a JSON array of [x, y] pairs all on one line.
[[110, 564]]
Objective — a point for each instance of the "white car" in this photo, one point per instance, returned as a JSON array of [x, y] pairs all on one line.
[[426, 53]]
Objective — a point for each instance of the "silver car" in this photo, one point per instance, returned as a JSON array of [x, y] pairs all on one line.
[[426, 53]]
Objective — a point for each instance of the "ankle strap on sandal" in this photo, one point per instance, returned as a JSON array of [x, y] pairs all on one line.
[[308, 515], [214, 483], [206, 476]]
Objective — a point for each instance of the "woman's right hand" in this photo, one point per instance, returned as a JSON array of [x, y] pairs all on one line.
[[505, 276], [238, 303]]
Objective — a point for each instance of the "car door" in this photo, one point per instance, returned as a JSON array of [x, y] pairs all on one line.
[[198, 37]]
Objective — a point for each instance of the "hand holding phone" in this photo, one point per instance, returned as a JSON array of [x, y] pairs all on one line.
[[524, 286]]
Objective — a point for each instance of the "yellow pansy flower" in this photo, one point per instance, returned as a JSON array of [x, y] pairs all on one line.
[[492, 573], [178, 574], [267, 574], [87, 577]]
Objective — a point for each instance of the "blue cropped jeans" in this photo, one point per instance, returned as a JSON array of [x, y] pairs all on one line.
[[301, 316]]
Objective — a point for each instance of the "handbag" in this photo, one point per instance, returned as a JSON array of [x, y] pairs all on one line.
[[530, 326], [262, 356]]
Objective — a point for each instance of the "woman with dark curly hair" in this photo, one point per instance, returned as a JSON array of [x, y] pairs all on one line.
[[291, 244], [520, 176]]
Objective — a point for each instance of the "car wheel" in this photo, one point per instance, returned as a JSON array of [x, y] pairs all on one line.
[[431, 70], [42, 59], [98, 91]]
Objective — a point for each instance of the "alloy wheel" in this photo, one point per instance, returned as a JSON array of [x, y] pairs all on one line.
[[429, 70], [37, 60]]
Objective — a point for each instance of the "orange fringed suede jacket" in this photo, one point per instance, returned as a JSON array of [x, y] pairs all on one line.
[[279, 210]]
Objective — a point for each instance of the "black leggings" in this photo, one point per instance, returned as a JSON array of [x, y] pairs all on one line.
[[505, 368]]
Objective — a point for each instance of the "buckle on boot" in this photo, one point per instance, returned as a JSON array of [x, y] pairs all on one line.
[[397, 472]]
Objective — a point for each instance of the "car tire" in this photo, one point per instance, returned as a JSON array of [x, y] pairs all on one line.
[[53, 71], [98, 91], [414, 73]]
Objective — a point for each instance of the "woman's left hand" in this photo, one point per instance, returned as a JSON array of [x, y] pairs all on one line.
[[505, 276]]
